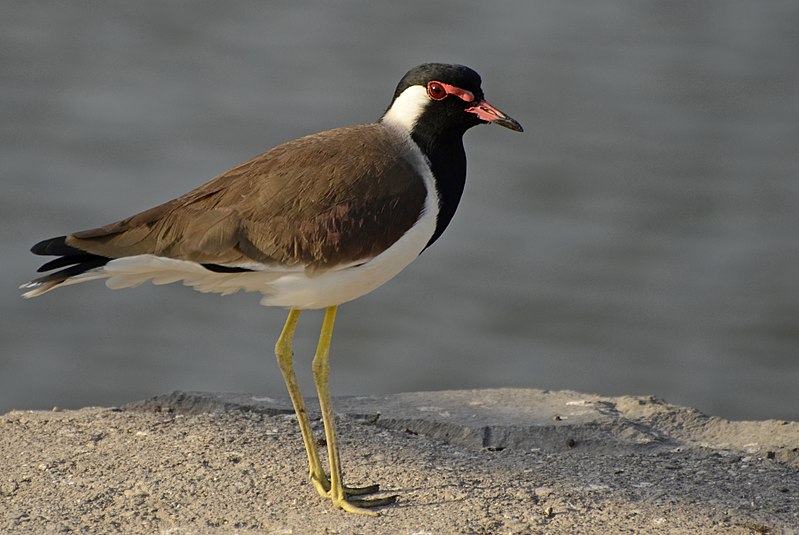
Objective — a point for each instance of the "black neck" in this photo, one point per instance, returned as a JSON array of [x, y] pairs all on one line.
[[444, 151]]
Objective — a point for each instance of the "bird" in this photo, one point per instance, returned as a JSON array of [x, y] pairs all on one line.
[[310, 224]]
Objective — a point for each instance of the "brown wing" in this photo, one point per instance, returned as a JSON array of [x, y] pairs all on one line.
[[333, 198]]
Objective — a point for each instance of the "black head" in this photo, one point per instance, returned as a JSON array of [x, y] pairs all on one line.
[[456, 75], [440, 97], [436, 103]]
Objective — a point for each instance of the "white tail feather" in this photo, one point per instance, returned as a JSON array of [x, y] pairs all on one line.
[[132, 271]]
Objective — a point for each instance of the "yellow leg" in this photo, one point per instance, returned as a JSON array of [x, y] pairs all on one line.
[[285, 360], [321, 372]]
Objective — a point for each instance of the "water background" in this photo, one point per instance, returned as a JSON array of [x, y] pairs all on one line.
[[639, 238]]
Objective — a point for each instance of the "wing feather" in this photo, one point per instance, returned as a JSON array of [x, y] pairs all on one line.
[[325, 200]]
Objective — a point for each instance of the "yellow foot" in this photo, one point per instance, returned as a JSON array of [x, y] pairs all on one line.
[[361, 491], [323, 488], [363, 507], [357, 505]]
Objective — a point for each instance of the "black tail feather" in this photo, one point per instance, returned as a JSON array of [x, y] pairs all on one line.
[[55, 247], [69, 261], [64, 274], [78, 261]]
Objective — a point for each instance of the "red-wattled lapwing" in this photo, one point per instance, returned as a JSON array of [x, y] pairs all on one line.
[[310, 224]]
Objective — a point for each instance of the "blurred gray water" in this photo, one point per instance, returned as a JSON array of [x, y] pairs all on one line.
[[639, 238]]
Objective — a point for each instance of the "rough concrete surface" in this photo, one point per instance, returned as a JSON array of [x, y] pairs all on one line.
[[483, 461]]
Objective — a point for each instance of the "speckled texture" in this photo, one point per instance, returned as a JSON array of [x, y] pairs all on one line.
[[158, 468]]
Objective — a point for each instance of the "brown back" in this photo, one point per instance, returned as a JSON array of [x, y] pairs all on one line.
[[337, 197]]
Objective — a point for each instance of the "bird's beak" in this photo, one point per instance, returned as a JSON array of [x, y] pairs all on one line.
[[488, 113]]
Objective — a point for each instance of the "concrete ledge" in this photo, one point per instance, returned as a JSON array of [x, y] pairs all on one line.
[[526, 418], [492, 461]]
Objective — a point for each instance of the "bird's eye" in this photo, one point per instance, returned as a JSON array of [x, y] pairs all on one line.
[[436, 91]]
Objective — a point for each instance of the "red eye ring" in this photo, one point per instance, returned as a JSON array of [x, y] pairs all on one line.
[[436, 90]]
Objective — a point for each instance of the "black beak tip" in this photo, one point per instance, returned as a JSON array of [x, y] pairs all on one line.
[[509, 123]]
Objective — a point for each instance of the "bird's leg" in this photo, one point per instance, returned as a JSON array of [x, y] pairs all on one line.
[[285, 359], [321, 373]]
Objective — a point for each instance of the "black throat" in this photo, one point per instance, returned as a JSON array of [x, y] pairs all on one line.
[[444, 151]]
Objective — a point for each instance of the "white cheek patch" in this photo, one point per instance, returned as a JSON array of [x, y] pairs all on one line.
[[407, 108]]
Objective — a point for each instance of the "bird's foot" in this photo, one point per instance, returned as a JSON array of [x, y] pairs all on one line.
[[322, 485], [361, 491], [357, 505], [363, 506]]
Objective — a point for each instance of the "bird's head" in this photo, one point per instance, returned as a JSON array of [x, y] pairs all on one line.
[[441, 97]]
